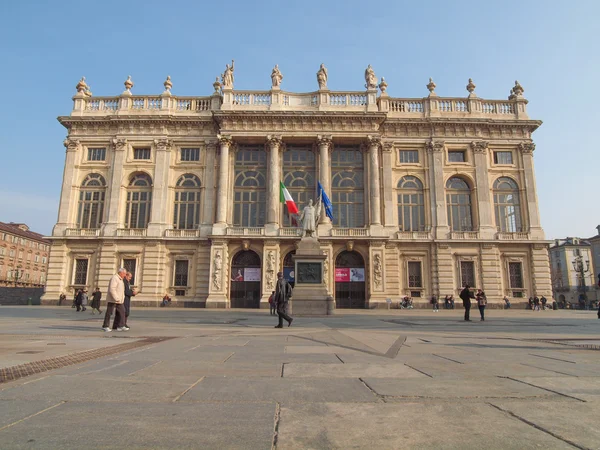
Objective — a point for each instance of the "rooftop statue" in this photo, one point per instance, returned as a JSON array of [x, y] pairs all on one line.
[[322, 77], [228, 76], [276, 76], [370, 78]]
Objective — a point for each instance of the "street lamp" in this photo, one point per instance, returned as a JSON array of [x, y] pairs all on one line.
[[580, 271], [17, 275]]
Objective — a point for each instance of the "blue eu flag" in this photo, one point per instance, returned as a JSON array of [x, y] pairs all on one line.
[[325, 199]]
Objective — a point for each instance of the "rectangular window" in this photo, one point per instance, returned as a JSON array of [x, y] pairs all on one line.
[[415, 294], [81, 267], [180, 292], [44, 260], [409, 156], [2, 251], [415, 280], [515, 273], [12, 253], [181, 273], [141, 153], [37, 258], [130, 265], [190, 154], [96, 154], [28, 256], [347, 187], [456, 156], [503, 158], [467, 273], [21, 254]]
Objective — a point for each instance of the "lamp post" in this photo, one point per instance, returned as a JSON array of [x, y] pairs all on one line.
[[17, 275], [580, 271]]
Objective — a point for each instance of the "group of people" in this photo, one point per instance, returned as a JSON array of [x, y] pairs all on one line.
[[535, 303], [118, 300], [466, 295]]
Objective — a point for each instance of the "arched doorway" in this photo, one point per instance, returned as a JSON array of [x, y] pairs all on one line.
[[288, 268], [350, 280], [245, 280]]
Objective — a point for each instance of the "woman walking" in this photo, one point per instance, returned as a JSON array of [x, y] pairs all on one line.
[[481, 303]]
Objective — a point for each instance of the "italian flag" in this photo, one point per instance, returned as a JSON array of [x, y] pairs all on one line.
[[285, 197]]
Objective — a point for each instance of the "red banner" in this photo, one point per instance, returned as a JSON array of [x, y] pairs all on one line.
[[342, 274]]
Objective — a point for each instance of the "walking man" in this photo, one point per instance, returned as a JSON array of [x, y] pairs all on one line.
[[283, 292], [129, 292], [115, 298], [96, 297], [465, 296]]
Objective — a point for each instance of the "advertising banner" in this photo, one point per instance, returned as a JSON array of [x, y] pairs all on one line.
[[252, 274], [288, 274], [342, 274], [357, 274]]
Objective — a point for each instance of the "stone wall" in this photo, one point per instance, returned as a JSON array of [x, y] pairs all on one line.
[[20, 296]]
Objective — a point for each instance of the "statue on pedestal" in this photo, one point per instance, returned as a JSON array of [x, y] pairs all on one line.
[[228, 76], [276, 76], [370, 78], [322, 77], [309, 218]]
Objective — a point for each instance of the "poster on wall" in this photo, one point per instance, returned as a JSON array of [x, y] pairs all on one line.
[[357, 274], [252, 274], [289, 274], [342, 274], [237, 275]]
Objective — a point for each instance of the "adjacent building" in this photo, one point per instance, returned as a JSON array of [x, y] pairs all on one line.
[[428, 193], [573, 271], [23, 256]]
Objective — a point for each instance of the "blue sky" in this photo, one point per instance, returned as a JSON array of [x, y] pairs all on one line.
[[552, 48]]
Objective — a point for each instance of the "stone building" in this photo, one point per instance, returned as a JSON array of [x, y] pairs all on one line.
[[427, 193], [573, 271], [23, 256]]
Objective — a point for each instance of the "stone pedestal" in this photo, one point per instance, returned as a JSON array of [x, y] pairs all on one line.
[[310, 291]]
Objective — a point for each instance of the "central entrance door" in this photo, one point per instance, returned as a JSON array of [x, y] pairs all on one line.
[[350, 284], [245, 280]]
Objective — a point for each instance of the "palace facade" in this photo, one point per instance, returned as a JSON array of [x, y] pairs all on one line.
[[428, 194]]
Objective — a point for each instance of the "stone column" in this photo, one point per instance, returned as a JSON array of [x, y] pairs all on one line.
[[113, 199], [531, 199], [223, 184], [389, 203], [487, 228], [208, 207], [374, 186], [273, 208], [325, 145], [159, 221], [68, 188], [438, 215]]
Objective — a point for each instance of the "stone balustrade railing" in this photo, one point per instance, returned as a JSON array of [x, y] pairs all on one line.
[[132, 232], [350, 232], [275, 100], [412, 235], [82, 232], [171, 233]]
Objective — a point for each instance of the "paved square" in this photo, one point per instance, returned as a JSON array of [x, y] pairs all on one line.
[[216, 379]]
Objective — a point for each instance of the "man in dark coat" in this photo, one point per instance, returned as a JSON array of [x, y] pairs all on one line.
[[283, 292], [465, 296], [129, 292], [96, 297]]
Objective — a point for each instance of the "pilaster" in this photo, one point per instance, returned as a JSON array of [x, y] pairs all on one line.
[[160, 188], [328, 267], [487, 228], [374, 143], [119, 147], [533, 211], [69, 188], [208, 207], [269, 272], [541, 283], [219, 275], [273, 209], [446, 265], [389, 204], [491, 271], [325, 145], [225, 143], [439, 217], [56, 281], [377, 279]]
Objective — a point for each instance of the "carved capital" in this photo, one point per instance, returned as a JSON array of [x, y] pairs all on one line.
[[225, 140], [479, 146], [163, 145], [71, 144], [388, 147], [274, 141], [527, 147], [435, 146], [210, 144], [325, 141], [374, 142]]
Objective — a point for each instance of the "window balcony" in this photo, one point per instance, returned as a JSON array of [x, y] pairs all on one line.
[[293, 232], [175, 233], [82, 232], [245, 231], [464, 235], [350, 232], [412, 235], [132, 232], [517, 236]]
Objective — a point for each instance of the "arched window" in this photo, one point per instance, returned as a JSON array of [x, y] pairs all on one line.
[[298, 178], [91, 201], [139, 201], [187, 202], [507, 205], [347, 187], [250, 196], [458, 200], [411, 206]]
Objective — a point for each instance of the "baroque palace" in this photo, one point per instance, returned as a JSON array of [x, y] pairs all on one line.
[[185, 192]]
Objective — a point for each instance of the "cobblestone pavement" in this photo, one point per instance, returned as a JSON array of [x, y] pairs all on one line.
[[226, 379]]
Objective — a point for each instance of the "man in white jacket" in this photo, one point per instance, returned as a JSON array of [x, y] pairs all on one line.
[[115, 298]]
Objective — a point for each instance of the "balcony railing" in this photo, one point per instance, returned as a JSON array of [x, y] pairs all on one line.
[[294, 232], [182, 233], [131, 232], [411, 235], [518, 236], [82, 232], [464, 235], [350, 232], [245, 231]]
